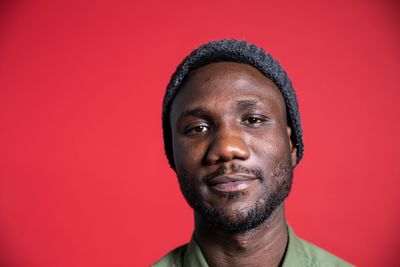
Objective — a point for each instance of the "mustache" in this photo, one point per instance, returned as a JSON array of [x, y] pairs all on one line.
[[233, 169]]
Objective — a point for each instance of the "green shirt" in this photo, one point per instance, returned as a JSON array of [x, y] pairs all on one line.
[[299, 253]]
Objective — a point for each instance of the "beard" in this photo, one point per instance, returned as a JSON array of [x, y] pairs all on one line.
[[242, 219]]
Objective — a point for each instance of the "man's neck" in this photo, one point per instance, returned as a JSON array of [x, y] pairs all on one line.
[[263, 246]]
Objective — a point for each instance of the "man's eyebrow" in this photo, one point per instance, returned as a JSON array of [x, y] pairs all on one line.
[[195, 112], [244, 103]]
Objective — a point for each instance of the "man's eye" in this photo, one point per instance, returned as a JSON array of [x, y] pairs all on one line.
[[255, 121], [196, 129]]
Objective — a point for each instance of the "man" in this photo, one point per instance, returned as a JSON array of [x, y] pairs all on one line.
[[233, 135]]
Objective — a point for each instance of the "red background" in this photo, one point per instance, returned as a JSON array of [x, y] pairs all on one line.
[[84, 180]]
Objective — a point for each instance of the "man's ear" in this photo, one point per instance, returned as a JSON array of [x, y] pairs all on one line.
[[293, 149]]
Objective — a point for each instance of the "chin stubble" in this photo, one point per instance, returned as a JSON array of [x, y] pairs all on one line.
[[251, 217]]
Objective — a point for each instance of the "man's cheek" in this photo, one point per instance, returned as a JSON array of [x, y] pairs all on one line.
[[180, 153]]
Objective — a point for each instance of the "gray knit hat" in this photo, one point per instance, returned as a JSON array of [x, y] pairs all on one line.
[[241, 52]]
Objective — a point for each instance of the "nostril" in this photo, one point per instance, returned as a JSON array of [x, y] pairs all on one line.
[[227, 149]]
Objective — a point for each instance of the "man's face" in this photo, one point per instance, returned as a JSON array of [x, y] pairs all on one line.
[[231, 145]]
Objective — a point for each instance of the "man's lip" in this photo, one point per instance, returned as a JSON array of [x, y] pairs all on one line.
[[231, 178], [231, 183]]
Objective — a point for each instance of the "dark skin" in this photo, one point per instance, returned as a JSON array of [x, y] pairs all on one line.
[[228, 114]]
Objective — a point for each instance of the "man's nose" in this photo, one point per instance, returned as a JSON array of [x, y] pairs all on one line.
[[227, 146]]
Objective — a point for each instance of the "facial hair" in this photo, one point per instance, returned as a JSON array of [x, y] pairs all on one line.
[[255, 214]]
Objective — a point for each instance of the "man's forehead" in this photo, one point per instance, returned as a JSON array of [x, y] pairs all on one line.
[[226, 86], [228, 80]]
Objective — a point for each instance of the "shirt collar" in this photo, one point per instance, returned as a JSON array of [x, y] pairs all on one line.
[[294, 255], [193, 256]]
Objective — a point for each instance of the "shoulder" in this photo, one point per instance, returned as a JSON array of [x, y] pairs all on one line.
[[316, 256], [302, 253], [173, 259]]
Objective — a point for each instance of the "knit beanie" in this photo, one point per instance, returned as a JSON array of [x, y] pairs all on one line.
[[240, 52]]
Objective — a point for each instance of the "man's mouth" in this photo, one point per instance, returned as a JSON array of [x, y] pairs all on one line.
[[232, 182]]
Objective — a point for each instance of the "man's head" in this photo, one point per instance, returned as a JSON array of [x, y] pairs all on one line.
[[229, 136]]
